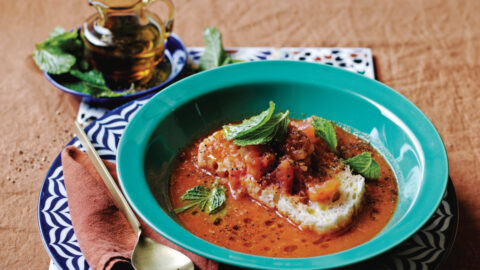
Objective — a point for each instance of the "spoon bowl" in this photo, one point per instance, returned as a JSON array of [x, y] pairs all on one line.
[[148, 255]]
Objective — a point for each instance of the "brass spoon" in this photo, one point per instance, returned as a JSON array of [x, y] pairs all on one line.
[[147, 253]]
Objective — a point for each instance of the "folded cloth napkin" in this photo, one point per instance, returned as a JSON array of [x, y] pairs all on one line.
[[103, 233]]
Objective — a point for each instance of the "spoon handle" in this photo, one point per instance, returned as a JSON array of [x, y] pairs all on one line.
[[107, 179]]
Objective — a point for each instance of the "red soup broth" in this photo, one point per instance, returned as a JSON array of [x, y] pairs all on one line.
[[247, 226]]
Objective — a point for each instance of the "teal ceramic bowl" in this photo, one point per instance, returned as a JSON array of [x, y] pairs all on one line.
[[191, 107]]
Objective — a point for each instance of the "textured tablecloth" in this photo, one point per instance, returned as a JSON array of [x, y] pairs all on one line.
[[427, 50]]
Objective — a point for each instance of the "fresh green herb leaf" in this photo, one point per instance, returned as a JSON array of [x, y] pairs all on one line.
[[96, 91], [214, 54], [248, 125], [93, 76], [67, 41], [78, 86], [259, 129], [92, 83], [274, 129], [53, 54], [196, 193], [325, 130], [56, 32], [83, 65], [53, 60], [233, 61], [365, 165], [186, 207], [207, 199], [216, 199]]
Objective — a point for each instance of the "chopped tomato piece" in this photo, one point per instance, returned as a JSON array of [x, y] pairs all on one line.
[[309, 131], [324, 192], [284, 175], [306, 127]]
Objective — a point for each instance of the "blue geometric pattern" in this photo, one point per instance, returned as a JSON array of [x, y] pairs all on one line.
[[53, 214], [358, 60]]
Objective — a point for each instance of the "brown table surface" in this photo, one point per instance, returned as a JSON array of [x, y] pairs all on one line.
[[428, 50]]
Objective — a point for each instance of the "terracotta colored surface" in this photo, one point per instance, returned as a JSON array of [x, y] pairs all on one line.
[[429, 50]]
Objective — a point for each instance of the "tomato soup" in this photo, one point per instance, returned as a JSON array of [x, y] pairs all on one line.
[[246, 225]]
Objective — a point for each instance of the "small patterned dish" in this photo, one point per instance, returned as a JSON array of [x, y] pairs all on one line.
[[175, 54]]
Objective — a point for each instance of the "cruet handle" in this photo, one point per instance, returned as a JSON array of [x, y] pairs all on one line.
[[170, 18]]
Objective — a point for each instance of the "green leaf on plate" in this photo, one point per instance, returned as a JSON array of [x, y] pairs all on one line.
[[216, 199], [259, 129], [207, 199], [325, 130], [53, 55], [365, 165], [56, 32], [248, 125], [92, 83], [53, 60], [275, 129], [93, 76], [214, 55]]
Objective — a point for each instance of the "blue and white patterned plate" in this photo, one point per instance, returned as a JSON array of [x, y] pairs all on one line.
[[427, 249], [175, 54]]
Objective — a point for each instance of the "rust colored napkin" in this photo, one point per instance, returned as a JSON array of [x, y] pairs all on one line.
[[103, 233]]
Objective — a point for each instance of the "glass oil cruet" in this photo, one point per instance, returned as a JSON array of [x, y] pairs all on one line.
[[125, 41]]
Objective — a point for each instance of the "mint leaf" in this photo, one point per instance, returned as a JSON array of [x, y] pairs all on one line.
[[53, 60], [92, 76], [217, 198], [53, 54], [365, 165], [275, 128], [67, 41], [214, 55], [248, 125], [196, 193], [259, 129], [325, 130], [78, 86], [207, 199], [56, 32], [92, 83], [102, 91]]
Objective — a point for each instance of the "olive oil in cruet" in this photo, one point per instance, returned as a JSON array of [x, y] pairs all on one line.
[[125, 41]]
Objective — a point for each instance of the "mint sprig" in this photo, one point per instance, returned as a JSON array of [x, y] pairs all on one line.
[[365, 165], [259, 129], [214, 55], [53, 60], [275, 129], [248, 125], [207, 199], [92, 83], [56, 54], [325, 130]]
